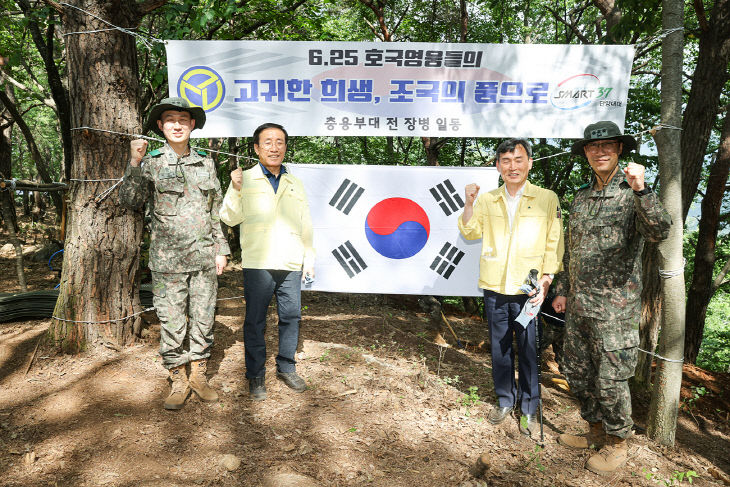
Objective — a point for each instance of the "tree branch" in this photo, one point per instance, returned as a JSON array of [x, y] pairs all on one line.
[[720, 279], [572, 27], [701, 16], [55, 6], [149, 5]]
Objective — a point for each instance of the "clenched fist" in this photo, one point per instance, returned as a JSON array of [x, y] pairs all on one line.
[[471, 191], [237, 178], [635, 176], [139, 149]]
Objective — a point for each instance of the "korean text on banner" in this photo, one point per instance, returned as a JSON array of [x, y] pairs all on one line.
[[401, 89]]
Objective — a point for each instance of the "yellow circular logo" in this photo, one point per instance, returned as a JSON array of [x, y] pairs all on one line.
[[202, 87]]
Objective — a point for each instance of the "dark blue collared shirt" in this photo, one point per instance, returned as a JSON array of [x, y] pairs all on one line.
[[274, 180]]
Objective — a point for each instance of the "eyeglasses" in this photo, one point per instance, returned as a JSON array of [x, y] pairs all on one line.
[[608, 146], [271, 143]]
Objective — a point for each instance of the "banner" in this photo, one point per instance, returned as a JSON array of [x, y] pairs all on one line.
[[392, 229], [401, 89]]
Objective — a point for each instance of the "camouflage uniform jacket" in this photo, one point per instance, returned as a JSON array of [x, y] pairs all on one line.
[[602, 262], [185, 196]]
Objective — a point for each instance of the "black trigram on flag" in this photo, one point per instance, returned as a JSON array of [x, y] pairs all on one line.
[[346, 196], [447, 260], [349, 259], [447, 197]]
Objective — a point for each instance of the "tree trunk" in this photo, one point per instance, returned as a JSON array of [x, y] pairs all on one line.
[[708, 79], [101, 258], [6, 156], [662, 423], [8, 217], [702, 287], [58, 92], [651, 309]]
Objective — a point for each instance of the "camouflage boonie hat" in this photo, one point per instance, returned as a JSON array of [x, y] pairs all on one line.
[[603, 130], [177, 104]]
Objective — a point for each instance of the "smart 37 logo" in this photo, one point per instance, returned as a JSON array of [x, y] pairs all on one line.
[[581, 90], [203, 87]]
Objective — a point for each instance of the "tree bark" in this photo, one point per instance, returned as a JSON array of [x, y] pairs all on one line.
[[708, 80], [651, 309], [702, 288], [8, 217], [101, 258], [662, 423], [6, 154]]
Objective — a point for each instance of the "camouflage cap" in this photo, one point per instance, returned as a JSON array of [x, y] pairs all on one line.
[[177, 104], [603, 130]]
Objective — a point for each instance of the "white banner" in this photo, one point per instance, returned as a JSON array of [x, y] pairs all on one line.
[[401, 89], [392, 229]]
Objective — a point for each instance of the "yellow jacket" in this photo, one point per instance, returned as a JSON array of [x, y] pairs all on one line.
[[535, 242], [276, 228]]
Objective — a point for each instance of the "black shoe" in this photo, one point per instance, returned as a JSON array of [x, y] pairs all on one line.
[[292, 380], [498, 414], [257, 388], [528, 424]]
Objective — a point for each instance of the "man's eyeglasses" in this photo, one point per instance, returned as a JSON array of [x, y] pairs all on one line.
[[269, 144], [607, 146]]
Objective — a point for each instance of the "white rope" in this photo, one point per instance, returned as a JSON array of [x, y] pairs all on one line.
[[226, 299], [146, 42], [154, 139], [94, 180], [105, 321], [674, 272], [664, 33], [662, 358], [639, 349], [127, 317]]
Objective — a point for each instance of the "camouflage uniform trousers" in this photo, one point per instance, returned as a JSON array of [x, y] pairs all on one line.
[[598, 370], [554, 335], [185, 304]]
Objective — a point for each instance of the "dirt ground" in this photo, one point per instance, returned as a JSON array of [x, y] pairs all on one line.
[[385, 406]]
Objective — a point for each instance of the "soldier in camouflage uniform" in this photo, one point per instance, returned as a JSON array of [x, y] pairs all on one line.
[[610, 219], [187, 246]]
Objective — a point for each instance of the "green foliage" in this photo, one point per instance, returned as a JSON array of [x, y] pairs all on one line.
[[715, 350]]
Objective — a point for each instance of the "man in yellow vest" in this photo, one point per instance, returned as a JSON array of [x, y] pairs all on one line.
[[521, 229], [276, 252]]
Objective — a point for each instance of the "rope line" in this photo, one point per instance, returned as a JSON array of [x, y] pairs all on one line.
[[674, 272], [144, 41], [151, 308], [639, 349], [105, 321], [155, 139], [660, 357]]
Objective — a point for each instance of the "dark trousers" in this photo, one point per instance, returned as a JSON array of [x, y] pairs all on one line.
[[259, 285], [501, 311]]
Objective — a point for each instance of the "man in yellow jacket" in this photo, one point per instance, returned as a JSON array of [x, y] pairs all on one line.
[[521, 229], [276, 252]]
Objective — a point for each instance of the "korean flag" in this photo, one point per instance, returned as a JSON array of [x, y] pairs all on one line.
[[392, 229]]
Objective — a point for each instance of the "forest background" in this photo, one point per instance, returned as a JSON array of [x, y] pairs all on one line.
[[42, 62]]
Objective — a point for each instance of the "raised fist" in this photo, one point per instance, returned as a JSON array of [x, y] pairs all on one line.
[[635, 176], [237, 178], [470, 192], [138, 149]]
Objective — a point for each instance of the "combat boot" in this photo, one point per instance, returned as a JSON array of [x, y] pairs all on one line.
[[609, 458], [199, 383], [180, 389], [594, 438]]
